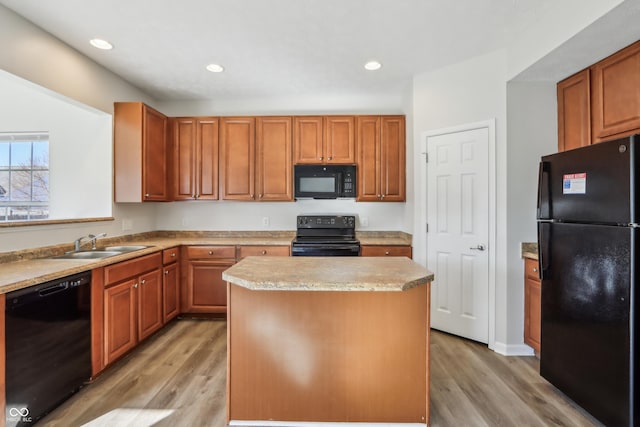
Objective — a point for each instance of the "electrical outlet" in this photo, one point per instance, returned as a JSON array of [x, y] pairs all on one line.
[[265, 221], [127, 224], [364, 221]]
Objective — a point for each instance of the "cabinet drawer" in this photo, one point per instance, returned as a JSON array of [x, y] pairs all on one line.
[[123, 270], [206, 252], [170, 255], [246, 251], [385, 251], [531, 269]]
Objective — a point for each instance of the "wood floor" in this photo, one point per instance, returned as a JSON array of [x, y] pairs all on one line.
[[177, 378]]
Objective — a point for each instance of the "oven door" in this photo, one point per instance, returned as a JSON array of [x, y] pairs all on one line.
[[315, 249]]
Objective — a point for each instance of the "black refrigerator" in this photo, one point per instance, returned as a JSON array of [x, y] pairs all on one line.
[[589, 253]]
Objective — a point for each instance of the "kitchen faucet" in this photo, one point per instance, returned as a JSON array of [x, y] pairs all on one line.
[[78, 242]]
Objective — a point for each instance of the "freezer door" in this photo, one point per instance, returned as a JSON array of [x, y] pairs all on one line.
[[586, 339], [592, 184]]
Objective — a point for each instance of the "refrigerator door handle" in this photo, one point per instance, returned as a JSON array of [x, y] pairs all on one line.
[[544, 237], [544, 191]]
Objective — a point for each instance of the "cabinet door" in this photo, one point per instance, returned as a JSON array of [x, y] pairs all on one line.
[[273, 159], [119, 319], [368, 135], [149, 303], [206, 291], [616, 94], [532, 304], [170, 292], [339, 139], [207, 159], [154, 148], [374, 250], [308, 139], [184, 158], [237, 158], [392, 155], [574, 111]]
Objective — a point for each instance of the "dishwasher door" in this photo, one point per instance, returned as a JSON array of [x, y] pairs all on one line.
[[48, 346]]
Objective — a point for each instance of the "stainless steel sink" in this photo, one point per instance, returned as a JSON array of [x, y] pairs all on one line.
[[125, 248], [89, 254]]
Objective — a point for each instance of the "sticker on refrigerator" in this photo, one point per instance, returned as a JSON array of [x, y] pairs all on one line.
[[574, 183]]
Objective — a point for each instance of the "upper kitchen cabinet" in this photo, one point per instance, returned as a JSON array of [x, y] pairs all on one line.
[[140, 153], [381, 158], [615, 94], [274, 181], [324, 139], [255, 158], [574, 111], [195, 158]]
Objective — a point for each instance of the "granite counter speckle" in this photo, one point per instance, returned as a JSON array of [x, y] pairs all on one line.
[[328, 274], [529, 250]]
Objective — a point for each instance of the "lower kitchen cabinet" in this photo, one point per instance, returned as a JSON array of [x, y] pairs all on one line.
[[132, 304], [376, 250], [204, 291], [532, 308], [170, 283]]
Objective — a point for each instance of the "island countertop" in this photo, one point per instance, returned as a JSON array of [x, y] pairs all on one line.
[[328, 273]]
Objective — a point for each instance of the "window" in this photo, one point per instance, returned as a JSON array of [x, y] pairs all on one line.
[[24, 176]]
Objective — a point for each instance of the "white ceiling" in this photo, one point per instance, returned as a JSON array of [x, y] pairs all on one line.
[[277, 47]]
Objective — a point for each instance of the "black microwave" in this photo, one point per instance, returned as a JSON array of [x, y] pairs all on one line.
[[324, 181]]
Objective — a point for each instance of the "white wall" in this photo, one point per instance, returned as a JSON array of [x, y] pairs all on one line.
[[32, 54], [547, 24], [532, 133], [467, 92]]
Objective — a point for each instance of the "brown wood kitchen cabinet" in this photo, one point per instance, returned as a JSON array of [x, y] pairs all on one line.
[[195, 158], [615, 91], [574, 111], [324, 139], [132, 304], [170, 283], [255, 158], [391, 250], [140, 153], [204, 291], [532, 300], [263, 250], [381, 158]]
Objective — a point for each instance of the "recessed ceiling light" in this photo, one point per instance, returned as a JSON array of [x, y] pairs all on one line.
[[215, 68], [101, 44], [372, 65]]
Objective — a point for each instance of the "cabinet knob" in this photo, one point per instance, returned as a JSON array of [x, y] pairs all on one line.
[[193, 196], [382, 196], [135, 285], [320, 158], [535, 270], [166, 272], [260, 196], [142, 282], [197, 196], [146, 195], [210, 252], [386, 252], [329, 158], [379, 196], [173, 254], [264, 252]]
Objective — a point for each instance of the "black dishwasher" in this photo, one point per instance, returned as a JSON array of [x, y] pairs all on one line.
[[48, 346]]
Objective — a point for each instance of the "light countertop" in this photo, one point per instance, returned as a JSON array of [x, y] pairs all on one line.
[[20, 269], [529, 250], [328, 274]]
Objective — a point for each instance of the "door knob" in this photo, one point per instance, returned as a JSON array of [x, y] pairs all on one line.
[[477, 248]]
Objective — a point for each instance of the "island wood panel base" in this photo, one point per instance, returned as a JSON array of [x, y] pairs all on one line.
[[328, 356]]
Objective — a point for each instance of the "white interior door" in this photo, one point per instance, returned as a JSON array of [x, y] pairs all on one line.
[[458, 232]]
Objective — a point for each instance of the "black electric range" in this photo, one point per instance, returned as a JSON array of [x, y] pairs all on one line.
[[326, 235]]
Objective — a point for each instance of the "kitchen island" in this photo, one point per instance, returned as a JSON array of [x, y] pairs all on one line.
[[327, 339]]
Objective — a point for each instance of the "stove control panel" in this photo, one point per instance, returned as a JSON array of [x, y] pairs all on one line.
[[327, 221]]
